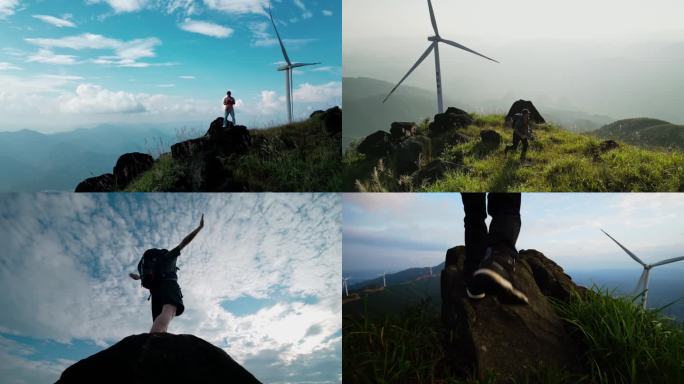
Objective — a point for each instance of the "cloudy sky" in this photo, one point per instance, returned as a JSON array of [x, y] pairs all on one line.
[[393, 232], [621, 58], [85, 62], [261, 280]]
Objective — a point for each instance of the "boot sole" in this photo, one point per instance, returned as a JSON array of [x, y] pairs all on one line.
[[494, 282]]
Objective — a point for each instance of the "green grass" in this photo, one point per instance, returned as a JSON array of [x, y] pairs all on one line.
[[297, 157], [559, 160], [623, 344]]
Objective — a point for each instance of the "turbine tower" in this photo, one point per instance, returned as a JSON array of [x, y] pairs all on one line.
[[434, 45], [430, 270], [642, 285], [384, 283], [344, 281], [287, 67]]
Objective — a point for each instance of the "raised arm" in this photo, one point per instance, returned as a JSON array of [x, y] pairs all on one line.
[[192, 235]]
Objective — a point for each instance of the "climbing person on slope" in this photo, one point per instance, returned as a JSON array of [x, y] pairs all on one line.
[[228, 103], [491, 256], [521, 132], [157, 270]]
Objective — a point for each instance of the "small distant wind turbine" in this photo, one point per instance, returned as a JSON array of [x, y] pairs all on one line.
[[287, 67], [435, 40], [344, 281], [642, 285], [384, 284], [430, 270]]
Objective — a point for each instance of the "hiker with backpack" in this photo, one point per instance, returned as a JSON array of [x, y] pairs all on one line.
[[521, 132], [491, 256], [228, 103], [157, 272]]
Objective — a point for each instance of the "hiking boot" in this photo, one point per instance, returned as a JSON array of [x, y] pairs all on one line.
[[495, 275], [473, 291]]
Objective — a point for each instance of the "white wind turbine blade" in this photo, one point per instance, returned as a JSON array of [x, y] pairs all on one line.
[[432, 18], [668, 261], [296, 65], [463, 47], [282, 47], [420, 60], [638, 260], [641, 284]]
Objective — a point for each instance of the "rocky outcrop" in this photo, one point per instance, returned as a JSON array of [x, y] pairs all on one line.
[[411, 154], [452, 118], [608, 145], [375, 145], [131, 165], [331, 121], [490, 137], [519, 105], [399, 130], [507, 339], [158, 358], [102, 183], [432, 172]]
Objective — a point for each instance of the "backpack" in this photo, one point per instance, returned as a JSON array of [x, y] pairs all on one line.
[[150, 267]]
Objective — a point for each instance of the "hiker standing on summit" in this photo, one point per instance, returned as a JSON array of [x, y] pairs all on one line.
[[228, 103], [157, 270], [491, 255], [521, 132]]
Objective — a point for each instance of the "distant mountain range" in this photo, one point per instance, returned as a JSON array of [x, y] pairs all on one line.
[[33, 161], [366, 113], [645, 132]]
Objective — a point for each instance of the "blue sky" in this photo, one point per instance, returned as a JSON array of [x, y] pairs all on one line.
[[393, 232], [85, 62], [261, 280]]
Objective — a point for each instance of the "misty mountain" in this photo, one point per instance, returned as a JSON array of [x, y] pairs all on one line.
[[33, 161], [400, 277], [362, 98], [645, 132]]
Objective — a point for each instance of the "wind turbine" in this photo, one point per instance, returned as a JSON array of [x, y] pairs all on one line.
[[384, 284], [430, 270], [434, 45], [642, 285], [344, 281], [287, 67]]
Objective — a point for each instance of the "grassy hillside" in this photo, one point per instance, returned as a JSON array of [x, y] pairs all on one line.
[[622, 343], [558, 160], [645, 132], [296, 157]]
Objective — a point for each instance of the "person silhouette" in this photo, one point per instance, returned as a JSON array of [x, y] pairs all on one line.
[[228, 103], [157, 270]]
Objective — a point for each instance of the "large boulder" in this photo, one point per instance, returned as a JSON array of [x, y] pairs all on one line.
[[508, 339], [608, 145], [129, 166], [188, 148], [400, 130], [331, 121], [375, 145], [410, 154], [519, 105], [452, 118], [433, 171], [102, 183], [158, 358], [490, 137]]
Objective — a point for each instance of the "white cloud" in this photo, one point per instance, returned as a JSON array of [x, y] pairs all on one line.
[[238, 6], [206, 28], [90, 98], [166, 85], [261, 37], [126, 53], [56, 21], [187, 77], [122, 6], [46, 56], [310, 93], [7, 7], [326, 12], [269, 102], [188, 6], [283, 247], [5, 66], [305, 12]]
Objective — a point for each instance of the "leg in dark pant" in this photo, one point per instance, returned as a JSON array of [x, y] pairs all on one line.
[[525, 144], [504, 208], [475, 226], [516, 140]]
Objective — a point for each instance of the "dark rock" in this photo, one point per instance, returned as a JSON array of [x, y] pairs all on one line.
[[432, 172], [331, 121], [608, 145], [316, 114], [158, 358], [490, 137], [507, 339], [375, 145], [519, 105], [400, 130], [102, 183], [410, 154], [452, 118], [188, 148], [129, 166]]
